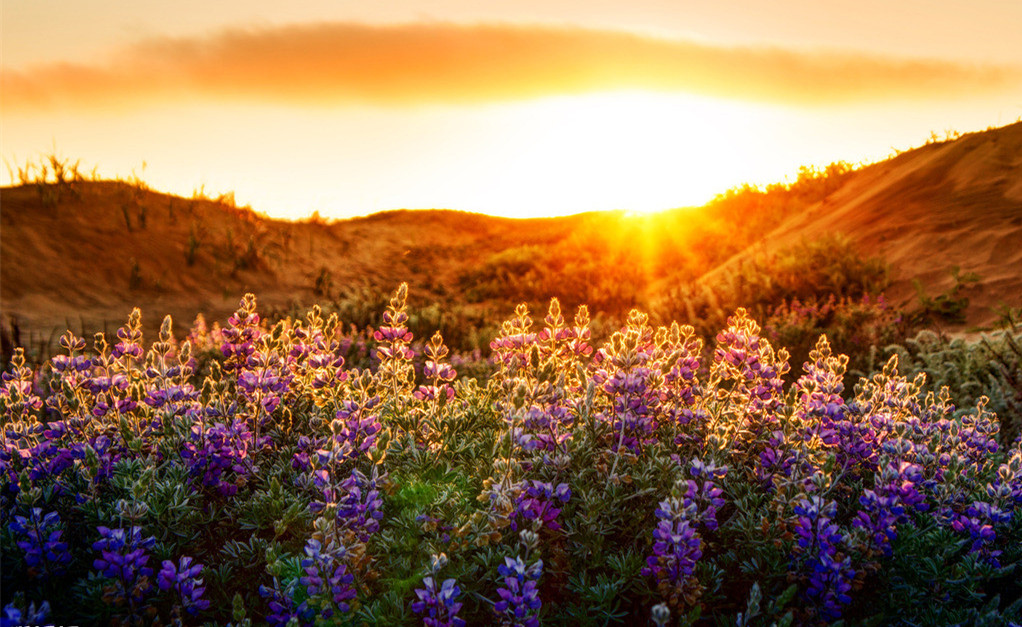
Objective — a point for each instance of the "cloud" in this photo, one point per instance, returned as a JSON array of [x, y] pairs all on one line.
[[424, 63]]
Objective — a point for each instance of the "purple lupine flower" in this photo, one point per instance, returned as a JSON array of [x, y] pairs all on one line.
[[437, 372], [512, 346], [184, 579], [219, 452], [360, 509], [820, 407], [562, 342], [17, 394], [683, 389], [326, 362], [703, 493], [45, 553], [283, 608], [648, 378], [263, 380], [240, 336], [817, 556], [978, 522], [327, 580], [356, 428], [70, 365], [393, 351], [538, 504], [48, 460], [676, 549], [979, 434], [1007, 487], [634, 406], [177, 397], [124, 559], [546, 428], [902, 479], [778, 458], [129, 345], [754, 368], [880, 516], [14, 616], [307, 447], [439, 606], [519, 593]]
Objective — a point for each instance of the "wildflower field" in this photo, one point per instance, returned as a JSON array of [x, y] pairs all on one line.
[[297, 474]]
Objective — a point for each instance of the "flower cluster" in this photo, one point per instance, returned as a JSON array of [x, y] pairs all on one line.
[[703, 494], [18, 398], [360, 510], [184, 581], [45, 553], [677, 547], [239, 337], [628, 374], [283, 608], [512, 348], [263, 381], [979, 521], [519, 602], [394, 353], [896, 493], [218, 455], [440, 605], [326, 579], [751, 368], [819, 558], [712, 473], [356, 428], [15, 616], [539, 505], [123, 558], [437, 372]]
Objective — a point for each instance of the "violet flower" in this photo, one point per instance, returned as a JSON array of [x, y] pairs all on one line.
[[283, 608], [184, 579], [124, 559], [676, 549], [538, 504], [439, 605], [45, 553], [519, 595], [817, 556], [327, 580], [14, 616]]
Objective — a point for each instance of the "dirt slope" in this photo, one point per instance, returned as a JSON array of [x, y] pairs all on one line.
[[956, 203], [85, 259], [82, 255]]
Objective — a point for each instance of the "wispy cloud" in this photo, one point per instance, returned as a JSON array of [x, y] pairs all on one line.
[[424, 63]]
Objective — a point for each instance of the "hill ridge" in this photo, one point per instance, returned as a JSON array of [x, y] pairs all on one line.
[[104, 247]]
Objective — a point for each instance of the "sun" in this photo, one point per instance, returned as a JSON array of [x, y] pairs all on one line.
[[631, 150]]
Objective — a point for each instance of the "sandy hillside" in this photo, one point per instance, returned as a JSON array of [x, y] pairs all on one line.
[[956, 203], [85, 259], [82, 255]]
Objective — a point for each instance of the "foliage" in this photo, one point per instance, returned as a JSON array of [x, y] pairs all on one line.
[[948, 306], [990, 367], [253, 473]]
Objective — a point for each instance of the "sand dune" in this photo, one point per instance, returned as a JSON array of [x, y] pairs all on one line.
[[957, 203], [101, 248]]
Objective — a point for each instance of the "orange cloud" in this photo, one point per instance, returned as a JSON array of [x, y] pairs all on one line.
[[445, 63]]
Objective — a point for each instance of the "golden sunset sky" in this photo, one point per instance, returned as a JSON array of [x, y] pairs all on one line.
[[517, 108]]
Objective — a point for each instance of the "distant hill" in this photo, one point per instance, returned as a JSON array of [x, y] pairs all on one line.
[[83, 254], [926, 211]]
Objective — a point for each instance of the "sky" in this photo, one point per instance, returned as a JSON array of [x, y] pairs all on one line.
[[517, 108]]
